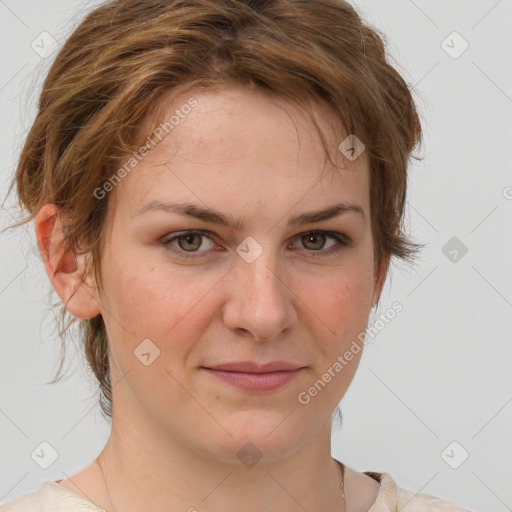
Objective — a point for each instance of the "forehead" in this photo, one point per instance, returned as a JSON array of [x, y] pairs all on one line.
[[236, 147]]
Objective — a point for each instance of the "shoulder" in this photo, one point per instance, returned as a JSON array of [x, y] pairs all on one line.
[[50, 497], [392, 497], [26, 503]]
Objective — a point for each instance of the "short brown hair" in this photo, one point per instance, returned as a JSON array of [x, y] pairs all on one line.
[[127, 56]]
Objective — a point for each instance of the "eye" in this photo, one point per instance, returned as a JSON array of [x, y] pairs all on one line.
[[315, 242], [197, 243], [187, 243]]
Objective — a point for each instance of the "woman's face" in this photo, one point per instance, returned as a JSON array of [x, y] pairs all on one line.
[[262, 279]]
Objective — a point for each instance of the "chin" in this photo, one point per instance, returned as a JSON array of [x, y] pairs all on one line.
[[256, 437]]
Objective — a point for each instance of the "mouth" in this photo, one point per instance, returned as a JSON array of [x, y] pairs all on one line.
[[252, 377]]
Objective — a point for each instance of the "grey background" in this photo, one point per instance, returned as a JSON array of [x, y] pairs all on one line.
[[436, 374]]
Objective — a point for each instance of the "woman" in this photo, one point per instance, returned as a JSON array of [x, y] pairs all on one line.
[[218, 189]]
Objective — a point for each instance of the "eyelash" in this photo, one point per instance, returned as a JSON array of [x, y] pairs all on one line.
[[343, 242]]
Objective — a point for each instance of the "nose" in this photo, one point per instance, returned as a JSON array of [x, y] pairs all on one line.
[[260, 302]]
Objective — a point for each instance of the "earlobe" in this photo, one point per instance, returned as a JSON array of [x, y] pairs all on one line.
[[65, 269]]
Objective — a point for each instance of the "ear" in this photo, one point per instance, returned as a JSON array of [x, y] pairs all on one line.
[[64, 268], [380, 278]]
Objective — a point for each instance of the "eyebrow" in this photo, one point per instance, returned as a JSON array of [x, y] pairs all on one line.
[[216, 217]]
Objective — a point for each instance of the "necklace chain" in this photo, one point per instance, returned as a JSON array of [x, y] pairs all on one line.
[[341, 478]]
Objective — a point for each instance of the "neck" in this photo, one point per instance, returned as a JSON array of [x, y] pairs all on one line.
[[145, 469]]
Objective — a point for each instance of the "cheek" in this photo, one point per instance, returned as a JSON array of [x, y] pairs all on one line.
[[337, 315], [337, 300], [153, 298], [170, 308]]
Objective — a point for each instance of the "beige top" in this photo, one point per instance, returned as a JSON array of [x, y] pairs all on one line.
[[52, 497]]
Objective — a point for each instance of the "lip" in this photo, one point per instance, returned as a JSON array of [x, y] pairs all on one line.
[[252, 367], [268, 381], [250, 376]]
